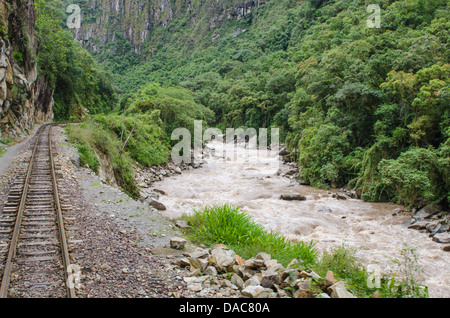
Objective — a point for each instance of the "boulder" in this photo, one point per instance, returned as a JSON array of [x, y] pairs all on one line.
[[237, 281], [329, 279], [157, 205], [223, 259], [443, 238], [338, 290], [292, 197], [428, 211], [252, 281], [210, 270], [252, 291], [270, 278], [177, 243], [420, 225], [304, 290]]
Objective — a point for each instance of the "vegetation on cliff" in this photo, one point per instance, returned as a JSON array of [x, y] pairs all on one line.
[[363, 107]]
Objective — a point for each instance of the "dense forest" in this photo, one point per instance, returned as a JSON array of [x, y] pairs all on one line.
[[357, 106]]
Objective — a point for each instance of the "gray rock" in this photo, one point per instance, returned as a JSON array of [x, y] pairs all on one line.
[[210, 270], [252, 291], [238, 281], [292, 197], [442, 238], [182, 224], [324, 209], [270, 278], [420, 225], [157, 205], [428, 211], [177, 243], [252, 281], [338, 290]]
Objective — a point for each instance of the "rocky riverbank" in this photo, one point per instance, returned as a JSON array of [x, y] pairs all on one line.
[[220, 272]]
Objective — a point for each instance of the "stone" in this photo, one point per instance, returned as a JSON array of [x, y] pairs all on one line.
[[252, 281], [294, 264], [324, 209], [443, 238], [195, 287], [340, 196], [210, 270], [157, 205], [446, 248], [273, 265], [237, 280], [246, 272], [270, 278], [222, 259], [428, 211], [254, 263], [182, 224], [304, 290], [195, 272], [252, 291], [323, 295], [292, 197], [420, 225], [263, 256], [239, 260], [338, 290], [177, 243], [182, 262], [329, 279], [199, 263]]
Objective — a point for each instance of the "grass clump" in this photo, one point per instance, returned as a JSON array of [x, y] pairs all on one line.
[[346, 266], [88, 157], [229, 225]]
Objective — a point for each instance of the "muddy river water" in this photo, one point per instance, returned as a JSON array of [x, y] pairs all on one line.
[[233, 176]]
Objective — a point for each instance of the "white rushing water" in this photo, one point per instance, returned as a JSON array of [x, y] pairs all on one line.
[[372, 228]]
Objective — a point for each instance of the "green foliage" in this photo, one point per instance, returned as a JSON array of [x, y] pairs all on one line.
[[349, 100], [90, 138], [87, 157], [229, 225], [175, 106], [79, 83], [404, 282], [141, 136]]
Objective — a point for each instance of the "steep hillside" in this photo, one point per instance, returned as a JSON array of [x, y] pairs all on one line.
[[357, 106], [25, 96]]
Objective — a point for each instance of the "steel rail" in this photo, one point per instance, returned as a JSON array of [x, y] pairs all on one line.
[[15, 236], [60, 222], [62, 235]]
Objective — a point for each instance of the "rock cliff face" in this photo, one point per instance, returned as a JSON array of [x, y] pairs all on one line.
[[25, 98], [105, 20]]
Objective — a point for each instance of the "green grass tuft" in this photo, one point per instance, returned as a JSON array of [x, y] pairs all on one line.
[[236, 229]]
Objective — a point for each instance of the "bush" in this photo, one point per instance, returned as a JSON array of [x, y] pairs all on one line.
[[87, 157], [413, 175]]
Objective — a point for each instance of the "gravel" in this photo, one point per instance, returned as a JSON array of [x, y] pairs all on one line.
[[120, 248]]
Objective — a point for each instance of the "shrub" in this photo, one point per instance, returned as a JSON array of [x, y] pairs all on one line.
[[88, 157]]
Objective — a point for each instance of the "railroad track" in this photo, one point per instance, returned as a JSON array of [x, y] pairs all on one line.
[[34, 255]]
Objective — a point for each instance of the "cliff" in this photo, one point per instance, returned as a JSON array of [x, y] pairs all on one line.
[[25, 97], [107, 21]]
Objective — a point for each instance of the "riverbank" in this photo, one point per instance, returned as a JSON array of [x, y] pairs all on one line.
[[375, 230]]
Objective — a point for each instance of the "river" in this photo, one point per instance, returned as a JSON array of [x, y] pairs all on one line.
[[374, 229]]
